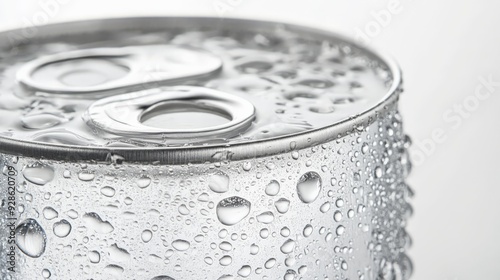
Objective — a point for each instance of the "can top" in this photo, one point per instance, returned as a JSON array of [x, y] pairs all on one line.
[[180, 90]]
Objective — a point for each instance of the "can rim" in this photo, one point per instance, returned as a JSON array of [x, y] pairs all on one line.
[[212, 153]]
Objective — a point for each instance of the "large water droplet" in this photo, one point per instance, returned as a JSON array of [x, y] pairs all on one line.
[[219, 182], [232, 210], [62, 228], [31, 238], [38, 173], [309, 187]]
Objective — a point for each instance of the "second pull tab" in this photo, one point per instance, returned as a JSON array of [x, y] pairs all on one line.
[[105, 71]]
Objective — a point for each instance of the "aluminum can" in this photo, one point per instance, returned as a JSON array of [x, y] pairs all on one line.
[[200, 148]]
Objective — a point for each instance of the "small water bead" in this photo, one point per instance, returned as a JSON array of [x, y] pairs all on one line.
[[225, 246], [128, 201], [162, 277], [266, 217], [208, 260], [344, 265], [204, 197], [50, 213], [199, 238], [350, 213], [273, 188], [38, 173], [113, 269], [378, 172], [264, 233], [245, 271], [282, 205], [270, 263], [322, 109], [183, 210], [223, 233], [226, 277], [325, 207], [309, 187], [219, 182], [290, 275], [94, 257], [86, 176], [181, 245], [146, 235], [288, 246], [31, 238], [46, 273], [247, 166], [67, 174], [295, 155], [62, 228], [108, 191], [285, 232], [254, 249], [302, 270], [339, 202], [340, 230], [232, 210], [143, 182], [337, 216], [308, 230], [225, 260]]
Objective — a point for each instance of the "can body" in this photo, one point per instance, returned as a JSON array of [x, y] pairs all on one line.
[[335, 211], [325, 203]]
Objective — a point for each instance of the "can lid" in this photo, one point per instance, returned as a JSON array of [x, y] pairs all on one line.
[[185, 90]]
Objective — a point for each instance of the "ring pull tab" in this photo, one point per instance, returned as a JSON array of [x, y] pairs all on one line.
[[181, 112], [105, 71]]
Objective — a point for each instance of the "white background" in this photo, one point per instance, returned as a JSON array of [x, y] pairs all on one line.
[[443, 47]]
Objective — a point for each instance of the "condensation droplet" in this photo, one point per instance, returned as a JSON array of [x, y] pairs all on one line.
[[94, 257], [309, 187], [219, 182], [266, 217], [232, 210], [282, 205], [146, 235], [288, 246], [181, 245], [31, 238], [50, 213], [308, 230], [273, 188], [108, 191], [38, 174], [62, 228]]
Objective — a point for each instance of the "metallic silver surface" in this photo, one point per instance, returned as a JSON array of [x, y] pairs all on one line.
[[215, 152]]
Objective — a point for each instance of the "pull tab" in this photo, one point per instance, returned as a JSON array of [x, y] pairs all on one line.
[[116, 70], [172, 112]]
